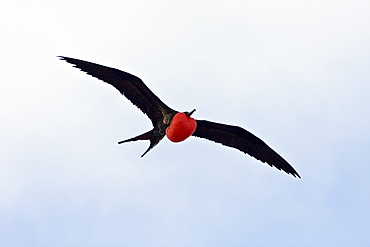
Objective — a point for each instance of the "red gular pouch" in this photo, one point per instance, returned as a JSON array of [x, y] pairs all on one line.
[[182, 126]]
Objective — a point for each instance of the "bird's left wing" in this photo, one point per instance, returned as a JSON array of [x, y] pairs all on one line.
[[129, 85], [241, 139]]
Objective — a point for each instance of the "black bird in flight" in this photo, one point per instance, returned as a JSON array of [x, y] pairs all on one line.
[[178, 126]]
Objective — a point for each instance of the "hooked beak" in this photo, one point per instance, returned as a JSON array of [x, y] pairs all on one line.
[[189, 113]]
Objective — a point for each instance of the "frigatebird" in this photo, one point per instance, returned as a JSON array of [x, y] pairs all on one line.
[[178, 126]]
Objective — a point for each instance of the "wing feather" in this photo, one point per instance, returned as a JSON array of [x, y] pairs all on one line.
[[132, 87], [241, 139]]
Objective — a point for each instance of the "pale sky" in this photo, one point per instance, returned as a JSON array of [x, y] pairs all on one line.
[[294, 73]]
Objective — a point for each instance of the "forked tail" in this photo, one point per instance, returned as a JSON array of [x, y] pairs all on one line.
[[153, 138]]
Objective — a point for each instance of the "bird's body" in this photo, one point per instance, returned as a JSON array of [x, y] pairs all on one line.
[[178, 126], [182, 126]]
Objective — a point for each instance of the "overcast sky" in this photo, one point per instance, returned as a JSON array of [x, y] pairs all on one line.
[[294, 73]]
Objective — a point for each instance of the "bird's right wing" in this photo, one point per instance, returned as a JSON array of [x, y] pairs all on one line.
[[241, 139], [132, 87]]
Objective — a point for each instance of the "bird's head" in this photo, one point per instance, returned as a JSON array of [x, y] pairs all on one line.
[[189, 113]]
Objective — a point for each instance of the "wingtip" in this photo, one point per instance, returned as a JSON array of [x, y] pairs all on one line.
[[63, 58], [288, 170], [295, 174]]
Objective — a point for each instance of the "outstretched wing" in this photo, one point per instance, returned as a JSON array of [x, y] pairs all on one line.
[[239, 138], [129, 85]]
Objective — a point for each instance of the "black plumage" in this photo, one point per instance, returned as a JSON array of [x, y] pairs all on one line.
[[134, 89]]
